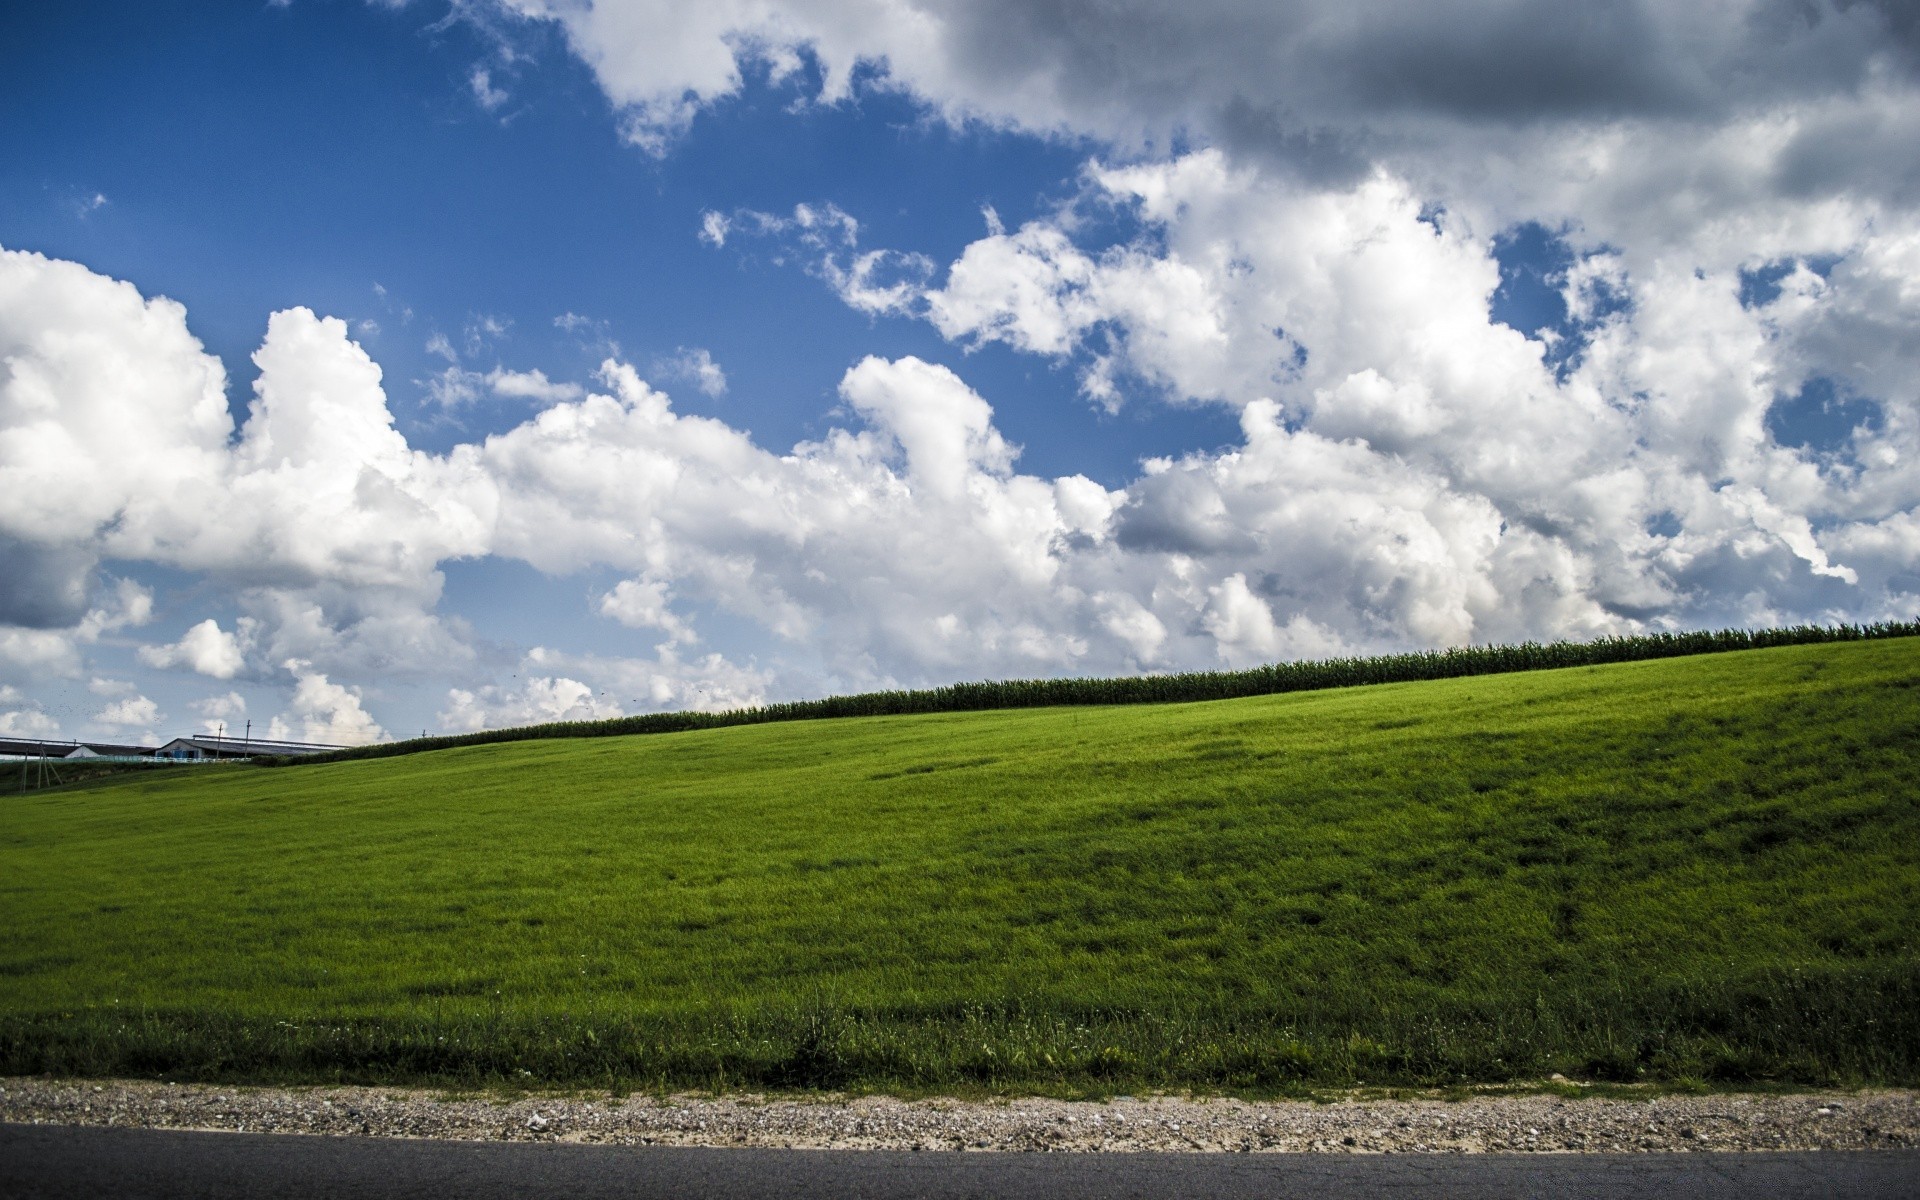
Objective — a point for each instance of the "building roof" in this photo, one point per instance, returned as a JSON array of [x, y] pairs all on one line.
[[208, 744], [38, 748], [116, 750]]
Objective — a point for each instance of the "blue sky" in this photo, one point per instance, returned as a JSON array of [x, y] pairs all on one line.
[[311, 154], [790, 348]]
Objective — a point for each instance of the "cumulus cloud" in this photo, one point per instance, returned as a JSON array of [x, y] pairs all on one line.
[[27, 723], [205, 648], [220, 713], [556, 686], [537, 701], [324, 712], [646, 604], [37, 655], [705, 682], [135, 712]]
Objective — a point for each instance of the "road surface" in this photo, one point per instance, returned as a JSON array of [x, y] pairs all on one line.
[[70, 1161]]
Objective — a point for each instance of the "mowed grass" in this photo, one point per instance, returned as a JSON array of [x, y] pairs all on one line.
[[1692, 869]]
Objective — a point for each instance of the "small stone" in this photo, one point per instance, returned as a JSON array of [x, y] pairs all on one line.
[[536, 1122]]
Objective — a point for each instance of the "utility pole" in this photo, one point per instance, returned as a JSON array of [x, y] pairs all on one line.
[[245, 745]]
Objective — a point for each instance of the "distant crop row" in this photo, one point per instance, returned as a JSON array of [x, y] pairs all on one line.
[[1168, 689]]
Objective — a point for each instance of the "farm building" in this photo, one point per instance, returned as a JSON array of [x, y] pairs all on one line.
[[35, 748], [206, 747]]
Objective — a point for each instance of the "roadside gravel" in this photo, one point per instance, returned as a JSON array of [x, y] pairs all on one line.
[[1543, 1122]]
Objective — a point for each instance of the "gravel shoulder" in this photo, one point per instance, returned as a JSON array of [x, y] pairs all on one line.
[[1547, 1122]]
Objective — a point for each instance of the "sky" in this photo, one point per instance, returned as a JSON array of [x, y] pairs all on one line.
[[379, 367]]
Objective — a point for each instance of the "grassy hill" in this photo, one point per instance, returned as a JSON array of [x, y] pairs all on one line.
[[1701, 868]]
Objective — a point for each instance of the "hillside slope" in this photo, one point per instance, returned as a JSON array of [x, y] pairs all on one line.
[[1696, 868]]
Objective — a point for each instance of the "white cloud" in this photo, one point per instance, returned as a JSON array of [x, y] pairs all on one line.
[[828, 238], [695, 366], [537, 701], [484, 330], [707, 682], [531, 385], [219, 714], [484, 93], [324, 712], [645, 604], [556, 686], [136, 712], [37, 655], [943, 426], [453, 386], [205, 648], [128, 605], [28, 723]]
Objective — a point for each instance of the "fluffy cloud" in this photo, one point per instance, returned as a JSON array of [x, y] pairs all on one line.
[[1361, 318], [454, 386], [828, 546], [324, 712], [135, 712], [706, 682], [646, 604], [538, 701], [205, 648], [220, 713], [117, 445], [27, 723], [550, 691], [37, 655]]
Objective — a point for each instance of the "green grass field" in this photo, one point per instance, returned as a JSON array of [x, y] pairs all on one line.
[[1692, 869]]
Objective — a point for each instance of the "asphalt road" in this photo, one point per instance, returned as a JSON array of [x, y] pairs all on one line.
[[68, 1161]]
